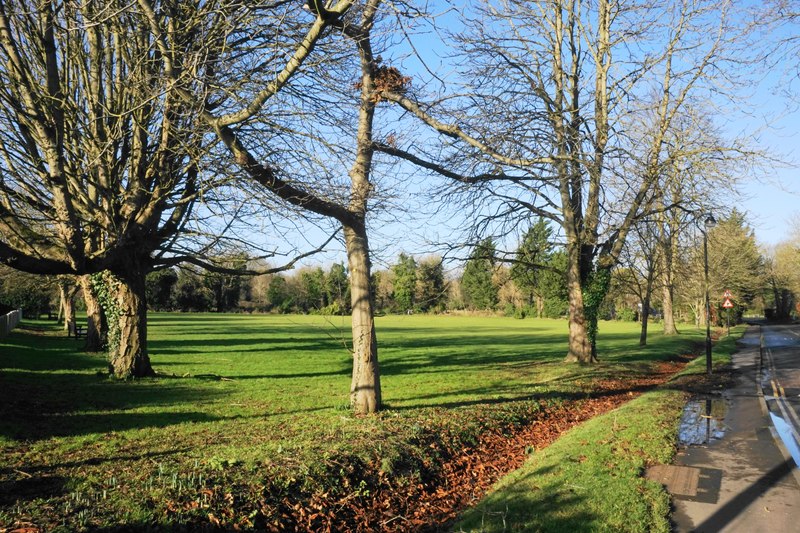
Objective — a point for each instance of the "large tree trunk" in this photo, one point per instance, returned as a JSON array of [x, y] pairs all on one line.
[[580, 346], [128, 336], [595, 289], [96, 326], [365, 389]]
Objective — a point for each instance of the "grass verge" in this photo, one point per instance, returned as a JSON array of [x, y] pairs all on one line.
[[591, 478]]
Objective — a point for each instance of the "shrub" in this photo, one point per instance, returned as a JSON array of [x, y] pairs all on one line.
[[626, 314]]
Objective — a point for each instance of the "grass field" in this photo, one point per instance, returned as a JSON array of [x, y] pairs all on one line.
[[249, 405]]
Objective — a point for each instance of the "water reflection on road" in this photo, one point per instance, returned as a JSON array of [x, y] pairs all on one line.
[[780, 382], [703, 420]]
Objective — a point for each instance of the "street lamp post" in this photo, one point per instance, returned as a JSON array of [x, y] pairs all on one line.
[[708, 223]]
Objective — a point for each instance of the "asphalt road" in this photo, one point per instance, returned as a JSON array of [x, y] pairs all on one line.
[[781, 381], [745, 479]]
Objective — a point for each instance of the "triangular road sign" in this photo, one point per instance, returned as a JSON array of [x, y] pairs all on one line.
[[727, 304]]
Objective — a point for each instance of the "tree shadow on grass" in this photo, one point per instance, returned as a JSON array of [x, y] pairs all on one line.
[[234, 345], [47, 353], [75, 424], [46, 469], [38, 405], [442, 352], [292, 375], [429, 353], [31, 488], [41, 481], [491, 395]]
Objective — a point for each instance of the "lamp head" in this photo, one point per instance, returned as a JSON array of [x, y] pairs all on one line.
[[710, 221]]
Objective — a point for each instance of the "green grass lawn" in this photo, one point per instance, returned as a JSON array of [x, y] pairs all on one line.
[[247, 403]]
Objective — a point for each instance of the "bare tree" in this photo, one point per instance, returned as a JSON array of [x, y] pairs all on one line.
[[700, 175], [550, 135], [640, 258], [287, 161], [99, 157], [67, 289], [103, 159]]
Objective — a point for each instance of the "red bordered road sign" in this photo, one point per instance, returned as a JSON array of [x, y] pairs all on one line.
[[727, 304], [727, 294]]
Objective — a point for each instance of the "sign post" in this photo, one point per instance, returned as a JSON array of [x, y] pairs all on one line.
[[728, 304]]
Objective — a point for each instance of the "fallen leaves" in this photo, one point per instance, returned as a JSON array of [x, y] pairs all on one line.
[[466, 474]]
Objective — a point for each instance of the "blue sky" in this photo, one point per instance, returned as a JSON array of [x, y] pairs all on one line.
[[767, 116], [774, 201]]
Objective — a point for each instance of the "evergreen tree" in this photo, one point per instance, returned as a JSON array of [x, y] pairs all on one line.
[[278, 294], [226, 287], [734, 260], [30, 292], [531, 263], [477, 285], [553, 285], [312, 290], [159, 286], [405, 282], [431, 287], [337, 287], [191, 294]]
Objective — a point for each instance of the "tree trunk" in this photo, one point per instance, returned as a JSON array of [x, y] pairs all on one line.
[[539, 306], [365, 389], [645, 319], [700, 315], [669, 310], [667, 244], [648, 295], [67, 292], [580, 346], [128, 336], [96, 327]]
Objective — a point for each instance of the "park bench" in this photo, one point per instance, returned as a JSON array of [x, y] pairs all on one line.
[[79, 330]]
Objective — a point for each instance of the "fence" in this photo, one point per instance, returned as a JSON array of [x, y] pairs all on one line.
[[9, 321]]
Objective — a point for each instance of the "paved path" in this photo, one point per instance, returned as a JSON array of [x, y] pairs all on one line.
[[747, 479]]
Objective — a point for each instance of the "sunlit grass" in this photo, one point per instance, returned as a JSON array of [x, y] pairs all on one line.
[[255, 390]]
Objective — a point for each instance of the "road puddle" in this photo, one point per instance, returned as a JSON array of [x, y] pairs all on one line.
[[702, 421]]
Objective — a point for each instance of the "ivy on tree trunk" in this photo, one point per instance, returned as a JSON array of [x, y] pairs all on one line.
[[123, 300], [595, 290]]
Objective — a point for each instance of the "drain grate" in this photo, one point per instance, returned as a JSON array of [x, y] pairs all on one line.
[[679, 480], [687, 482]]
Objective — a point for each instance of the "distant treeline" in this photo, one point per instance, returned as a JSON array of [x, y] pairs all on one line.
[[411, 285]]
